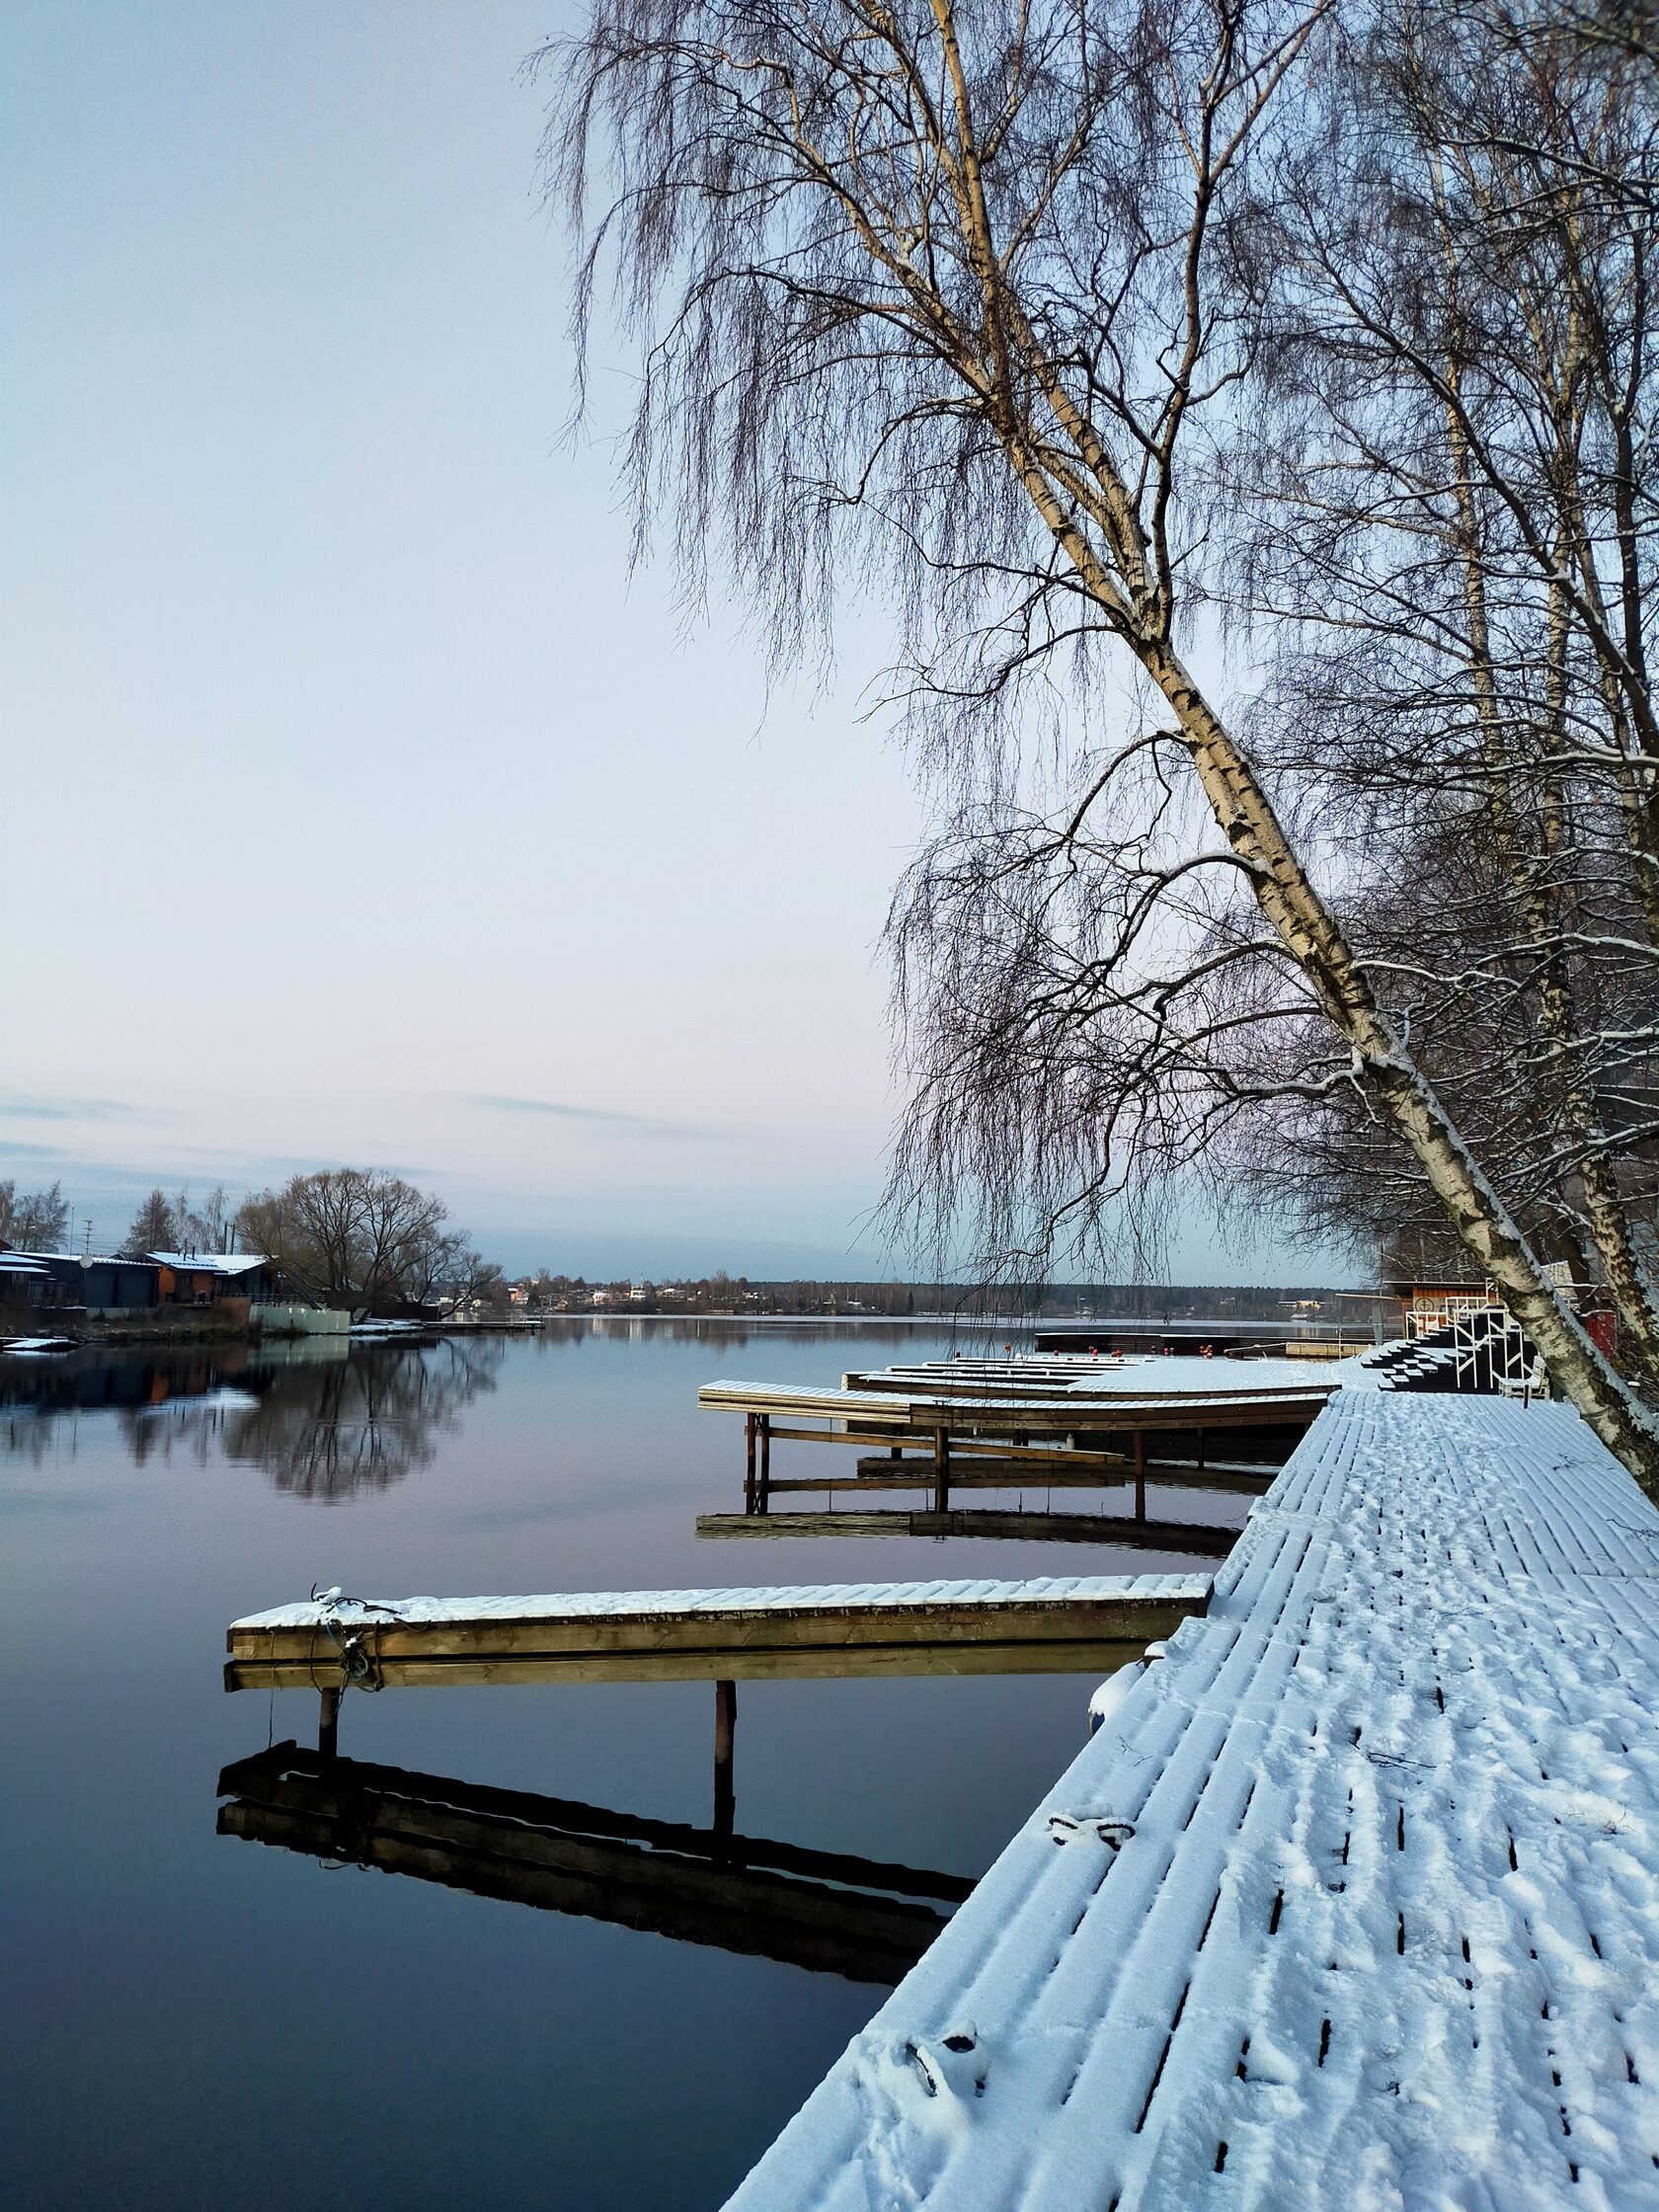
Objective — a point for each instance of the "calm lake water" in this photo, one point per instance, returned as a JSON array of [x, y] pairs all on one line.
[[194, 2019]]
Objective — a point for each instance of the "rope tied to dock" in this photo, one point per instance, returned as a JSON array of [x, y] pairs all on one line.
[[359, 1660]]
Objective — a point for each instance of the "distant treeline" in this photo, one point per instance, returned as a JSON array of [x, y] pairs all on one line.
[[728, 1293]]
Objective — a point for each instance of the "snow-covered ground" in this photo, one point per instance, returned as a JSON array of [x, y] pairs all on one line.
[[1353, 1900]]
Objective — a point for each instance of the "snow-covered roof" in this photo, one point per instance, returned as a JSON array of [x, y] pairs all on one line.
[[23, 1263], [209, 1263], [87, 1259], [1349, 1902]]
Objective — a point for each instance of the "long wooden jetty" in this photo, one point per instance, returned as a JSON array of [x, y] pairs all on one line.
[[829, 1911], [1046, 1625], [945, 1426], [1354, 1897]]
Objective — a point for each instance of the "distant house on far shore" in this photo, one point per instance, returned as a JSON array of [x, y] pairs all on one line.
[[100, 1283], [222, 1278], [82, 1282]]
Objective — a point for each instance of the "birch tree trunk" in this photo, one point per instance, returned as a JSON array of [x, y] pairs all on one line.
[[946, 291]]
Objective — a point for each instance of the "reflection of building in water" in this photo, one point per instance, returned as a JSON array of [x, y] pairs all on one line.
[[827, 1911], [100, 1377], [342, 1419]]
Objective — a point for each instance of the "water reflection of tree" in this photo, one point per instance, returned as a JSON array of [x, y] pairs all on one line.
[[362, 1423]]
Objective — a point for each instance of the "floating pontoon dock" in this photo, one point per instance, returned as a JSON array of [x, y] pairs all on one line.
[[1353, 1900]]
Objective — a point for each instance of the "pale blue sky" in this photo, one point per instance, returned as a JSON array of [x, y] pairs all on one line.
[[358, 808]]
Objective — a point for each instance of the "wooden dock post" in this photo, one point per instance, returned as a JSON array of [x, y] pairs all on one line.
[[328, 1726], [724, 1731], [1139, 1474], [750, 1422], [941, 1470], [763, 1486]]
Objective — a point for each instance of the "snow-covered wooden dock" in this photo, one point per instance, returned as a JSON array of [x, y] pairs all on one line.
[[1050, 1625], [1354, 1897], [945, 1426]]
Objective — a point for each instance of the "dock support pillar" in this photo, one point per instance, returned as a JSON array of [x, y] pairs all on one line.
[[764, 1484], [328, 1727], [941, 1471], [724, 1731], [1139, 1474], [749, 1462]]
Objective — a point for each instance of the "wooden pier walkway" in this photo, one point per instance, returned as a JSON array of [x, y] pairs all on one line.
[[1055, 1624], [1353, 1900], [945, 1427]]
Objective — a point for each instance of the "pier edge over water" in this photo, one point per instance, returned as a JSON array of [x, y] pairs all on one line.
[[1355, 1896]]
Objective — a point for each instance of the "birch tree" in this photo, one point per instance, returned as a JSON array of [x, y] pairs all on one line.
[[971, 306], [1453, 533]]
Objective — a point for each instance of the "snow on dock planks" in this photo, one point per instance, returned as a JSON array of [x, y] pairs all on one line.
[[1054, 1624], [1354, 1897]]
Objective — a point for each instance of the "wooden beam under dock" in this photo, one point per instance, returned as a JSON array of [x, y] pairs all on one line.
[[1202, 1540]]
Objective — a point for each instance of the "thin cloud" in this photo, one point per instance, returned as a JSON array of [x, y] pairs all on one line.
[[19, 1108], [601, 1116]]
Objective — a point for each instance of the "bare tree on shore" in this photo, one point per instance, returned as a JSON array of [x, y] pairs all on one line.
[[363, 1240], [979, 309], [1450, 527], [34, 1221]]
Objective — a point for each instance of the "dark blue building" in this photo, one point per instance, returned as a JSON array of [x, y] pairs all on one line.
[[102, 1285]]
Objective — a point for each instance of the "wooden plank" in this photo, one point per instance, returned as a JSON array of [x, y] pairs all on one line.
[[719, 1635], [1025, 1475], [1108, 1411], [1192, 1539], [1081, 1654], [649, 1636]]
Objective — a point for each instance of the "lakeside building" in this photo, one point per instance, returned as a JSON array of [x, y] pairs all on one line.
[[105, 1284], [223, 1279]]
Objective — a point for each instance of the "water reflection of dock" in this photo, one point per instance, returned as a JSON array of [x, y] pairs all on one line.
[[829, 1911]]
